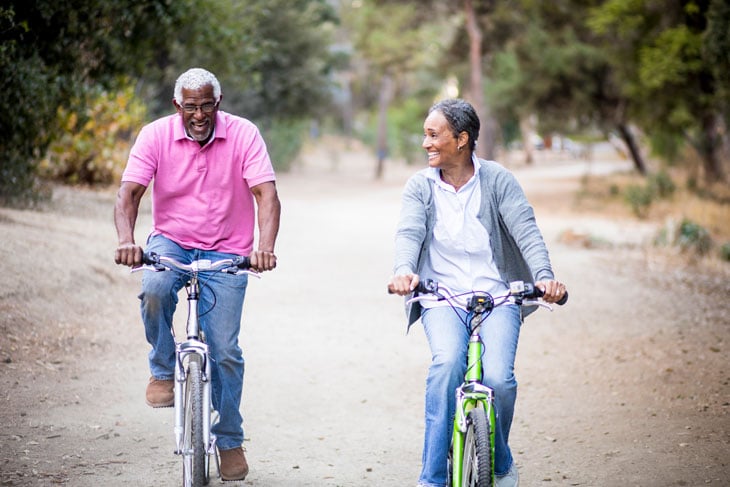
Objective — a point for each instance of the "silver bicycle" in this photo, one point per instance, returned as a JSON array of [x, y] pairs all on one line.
[[193, 407]]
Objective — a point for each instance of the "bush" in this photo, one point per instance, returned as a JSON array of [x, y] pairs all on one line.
[[639, 199], [94, 144], [661, 185], [284, 139], [27, 132], [725, 251], [692, 236]]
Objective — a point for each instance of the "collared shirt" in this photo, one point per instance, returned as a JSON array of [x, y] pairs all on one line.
[[201, 196], [460, 254]]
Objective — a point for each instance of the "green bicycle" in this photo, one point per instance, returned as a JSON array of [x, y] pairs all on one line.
[[471, 458]]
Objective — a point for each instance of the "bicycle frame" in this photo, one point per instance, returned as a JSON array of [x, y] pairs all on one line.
[[192, 361], [469, 395], [193, 345]]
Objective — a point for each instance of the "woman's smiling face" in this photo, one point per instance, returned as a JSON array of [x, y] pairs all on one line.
[[439, 141]]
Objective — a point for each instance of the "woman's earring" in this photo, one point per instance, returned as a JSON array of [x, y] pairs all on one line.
[[461, 148]]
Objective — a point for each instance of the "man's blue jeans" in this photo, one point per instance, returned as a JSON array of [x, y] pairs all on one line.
[[221, 306], [448, 338]]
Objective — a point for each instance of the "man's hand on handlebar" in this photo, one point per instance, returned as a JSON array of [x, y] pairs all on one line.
[[262, 260], [128, 254], [403, 284], [554, 290]]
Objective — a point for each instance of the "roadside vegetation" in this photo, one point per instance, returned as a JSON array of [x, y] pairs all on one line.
[[81, 77]]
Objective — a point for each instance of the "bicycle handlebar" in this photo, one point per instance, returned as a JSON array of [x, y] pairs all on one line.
[[237, 265], [522, 293]]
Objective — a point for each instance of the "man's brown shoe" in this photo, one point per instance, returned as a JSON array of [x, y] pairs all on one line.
[[160, 393], [233, 464]]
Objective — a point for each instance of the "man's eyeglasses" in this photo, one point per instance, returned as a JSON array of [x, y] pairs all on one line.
[[205, 108]]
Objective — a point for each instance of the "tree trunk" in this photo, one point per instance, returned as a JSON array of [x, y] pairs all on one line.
[[487, 134], [711, 148], [525, 134], [386, 89], [633, 147]]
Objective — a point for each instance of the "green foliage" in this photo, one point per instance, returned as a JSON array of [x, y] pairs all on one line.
[[667, 145], [284, 139], [661, 185], [639, 198], [397, 50], [716, 43], [692, 236], [405, 128], [271, 57], [665, 56], [725, 251], [552, 66], [391, 36], [94, 144], [28, 113], [50, 53]]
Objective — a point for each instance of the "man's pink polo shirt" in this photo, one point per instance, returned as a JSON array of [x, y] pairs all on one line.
[[201, 196]]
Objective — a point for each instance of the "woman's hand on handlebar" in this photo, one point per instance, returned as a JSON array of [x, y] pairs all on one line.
[[554, 290], [128, 254], [403, 284]]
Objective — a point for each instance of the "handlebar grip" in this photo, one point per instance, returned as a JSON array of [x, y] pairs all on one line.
[[536, 292], [150, 258], [423, 287], [242, 262], [427, 286]]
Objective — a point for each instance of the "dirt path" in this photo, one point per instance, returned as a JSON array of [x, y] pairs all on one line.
[[629, 385]]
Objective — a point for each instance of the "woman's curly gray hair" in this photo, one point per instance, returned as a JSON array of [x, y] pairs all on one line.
[[194, 79]]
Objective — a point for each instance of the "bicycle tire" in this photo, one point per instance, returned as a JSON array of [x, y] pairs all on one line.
[[195, 468], [477, 461]]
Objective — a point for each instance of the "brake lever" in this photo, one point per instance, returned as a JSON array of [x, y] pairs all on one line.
[[537, 302]]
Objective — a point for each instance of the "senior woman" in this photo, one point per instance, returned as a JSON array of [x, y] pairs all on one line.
[[465, 222]]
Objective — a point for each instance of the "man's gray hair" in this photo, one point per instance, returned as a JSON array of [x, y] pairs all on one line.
[[194, 79]]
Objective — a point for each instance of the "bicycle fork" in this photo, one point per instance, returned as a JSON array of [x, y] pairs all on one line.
[[183, 351]]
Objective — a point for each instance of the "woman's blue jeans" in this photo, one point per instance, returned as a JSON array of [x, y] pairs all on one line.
[[221, 306], [448, 339]]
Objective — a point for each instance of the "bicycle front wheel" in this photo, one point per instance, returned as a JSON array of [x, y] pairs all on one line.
[[195, 472], [477, 463]]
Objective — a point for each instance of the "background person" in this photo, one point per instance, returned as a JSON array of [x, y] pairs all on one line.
[[209, 167], [466, 223]]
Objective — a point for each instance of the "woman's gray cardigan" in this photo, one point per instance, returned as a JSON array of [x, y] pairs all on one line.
[[517, 244]]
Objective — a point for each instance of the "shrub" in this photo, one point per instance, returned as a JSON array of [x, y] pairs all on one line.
[[284, 139], [661, 185], [692, 236], [725, 251], [94, 144], [639, 199]]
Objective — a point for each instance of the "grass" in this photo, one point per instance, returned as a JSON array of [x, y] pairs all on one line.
[[630, 195]]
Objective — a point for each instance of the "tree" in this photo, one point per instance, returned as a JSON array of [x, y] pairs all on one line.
[[552, 65], [677, 77], [270, 56], [50, 53], [272, 59], [393, 41]]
